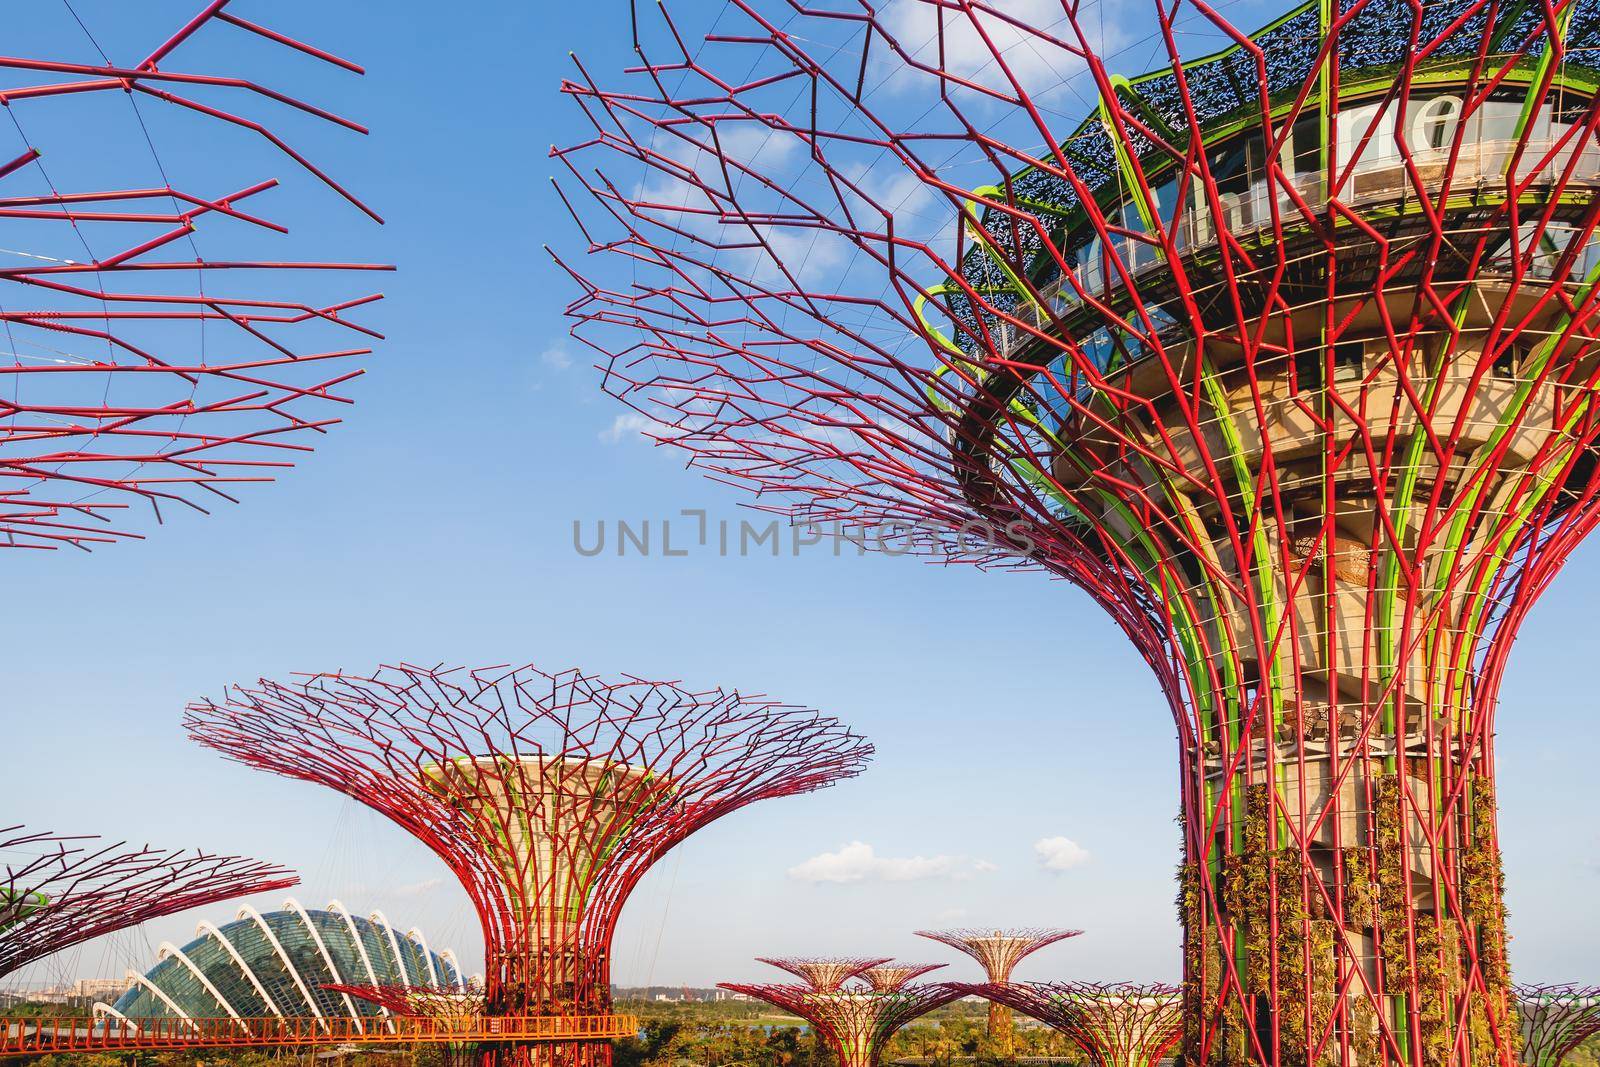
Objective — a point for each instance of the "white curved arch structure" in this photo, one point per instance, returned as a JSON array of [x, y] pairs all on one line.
[[272, 939], [160, 994], [168, 950], [416, 936], [291, 904], [449, 955], [207, 929], [336, 908], [201, 964], [381, 921]]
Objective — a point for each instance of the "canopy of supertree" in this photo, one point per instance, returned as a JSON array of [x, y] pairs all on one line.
[[1119, 1024], [1556, 1019], [165, 341], [998, 952], [856, 1022], [1279, 341], [547, 794], [823, 973], [892, 976], [58, 891]]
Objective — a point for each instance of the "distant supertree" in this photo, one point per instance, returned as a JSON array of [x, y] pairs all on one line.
[[999, 952], [823, 973], [855, 1022], [1119, 1024], [56, 891], [890, 977], [133, 367], [1277, 340], [1556, 1019], [548, 795]]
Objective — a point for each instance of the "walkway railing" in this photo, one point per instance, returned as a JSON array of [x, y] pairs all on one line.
[[34, 1036]]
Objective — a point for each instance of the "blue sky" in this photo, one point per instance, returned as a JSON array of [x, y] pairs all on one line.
[[437, 525]]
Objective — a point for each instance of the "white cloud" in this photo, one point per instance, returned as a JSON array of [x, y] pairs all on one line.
[[1060, 853], [417, 889], [951, 915], [859, 862], [556, 358], [970, 40], [630, 426]]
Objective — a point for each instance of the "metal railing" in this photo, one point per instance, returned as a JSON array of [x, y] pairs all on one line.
[[34, 1036]]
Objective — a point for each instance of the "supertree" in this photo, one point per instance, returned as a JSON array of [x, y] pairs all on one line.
[[1556, 1019], [1119, 1024], [1283, 353], [891, 977], [998, 952], [57, 891], [823, 973], [547, 795], [854, 1020], [136, 366]]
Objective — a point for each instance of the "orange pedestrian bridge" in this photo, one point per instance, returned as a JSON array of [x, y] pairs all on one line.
[[39, 1036]]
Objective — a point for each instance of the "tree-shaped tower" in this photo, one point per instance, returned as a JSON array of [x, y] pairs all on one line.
[[998, 952], [891, 977], [1284, 348], [56, 892], [854, 1019], [823, 973], [163, 344], [1556, 1019], [1118, 1024], [548, 795]]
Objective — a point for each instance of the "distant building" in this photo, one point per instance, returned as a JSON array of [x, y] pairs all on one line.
[[98, 988], [277, 964]]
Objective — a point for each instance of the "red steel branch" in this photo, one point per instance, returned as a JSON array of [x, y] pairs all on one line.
[[823, 973], [1284, 351], [143, 361], [1556, 1019], [856, 1023], [1119, 1024], [548, 795], [56, 892]]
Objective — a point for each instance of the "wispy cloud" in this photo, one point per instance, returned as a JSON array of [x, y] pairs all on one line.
[[631, 426], [860, 862], [1060, 853], [417, 889], [556, 357]]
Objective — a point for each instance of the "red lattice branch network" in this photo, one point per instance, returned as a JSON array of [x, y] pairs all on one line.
[[1282, 343], [154, 346], [1119, 1024], [57, 892], [1556, 1019], [823, 973], [856, 1022], [999, 952], [891, 977], [548, 795]]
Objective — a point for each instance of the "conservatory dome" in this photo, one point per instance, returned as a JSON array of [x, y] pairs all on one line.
[[276, 964]]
